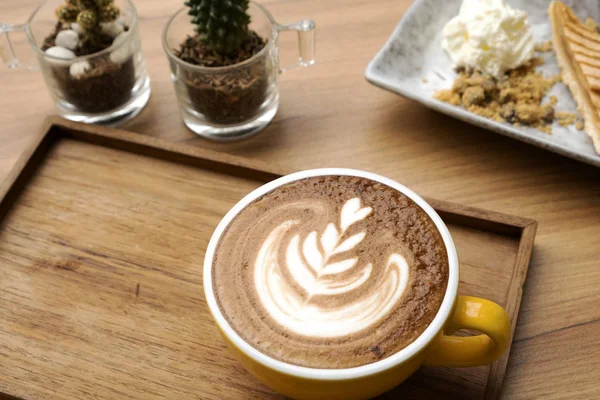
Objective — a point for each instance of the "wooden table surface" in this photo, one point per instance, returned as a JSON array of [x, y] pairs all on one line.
[[330, 116]]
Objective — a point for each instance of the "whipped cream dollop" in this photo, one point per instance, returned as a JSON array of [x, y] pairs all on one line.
[[489, 35]]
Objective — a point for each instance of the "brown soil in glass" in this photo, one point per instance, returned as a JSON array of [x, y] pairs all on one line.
[[104, 87], [232, 96]]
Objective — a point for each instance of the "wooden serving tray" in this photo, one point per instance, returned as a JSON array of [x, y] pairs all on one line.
[[102, 239]]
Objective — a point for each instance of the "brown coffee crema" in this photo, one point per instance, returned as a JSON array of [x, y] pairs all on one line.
[[330, 272]]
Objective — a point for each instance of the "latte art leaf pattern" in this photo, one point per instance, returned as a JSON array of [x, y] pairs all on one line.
[[308, 262]]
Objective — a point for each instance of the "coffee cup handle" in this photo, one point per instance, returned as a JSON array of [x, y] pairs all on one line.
[[470, 351]]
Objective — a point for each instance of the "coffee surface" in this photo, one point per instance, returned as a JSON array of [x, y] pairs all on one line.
[[330, 272]]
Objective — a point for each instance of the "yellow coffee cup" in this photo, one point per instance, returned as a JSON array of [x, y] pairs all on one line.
[[436, 346]]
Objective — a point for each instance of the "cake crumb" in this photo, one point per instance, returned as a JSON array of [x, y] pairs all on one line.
[[544, 47], [579, 125], [449, 96], [424, 80], [516, 98], [473, 95], [566, 118]]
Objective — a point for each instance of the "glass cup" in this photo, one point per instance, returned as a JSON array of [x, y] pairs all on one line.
[[232, 102], [117, 92]]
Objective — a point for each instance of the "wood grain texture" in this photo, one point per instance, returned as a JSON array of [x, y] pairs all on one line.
[[80, 198], [329, 116]]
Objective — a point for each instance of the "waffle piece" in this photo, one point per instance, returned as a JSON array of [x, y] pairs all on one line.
[[577, 47]]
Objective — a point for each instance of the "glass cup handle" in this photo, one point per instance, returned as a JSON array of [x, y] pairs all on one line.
[[7, 51], [306, 42]]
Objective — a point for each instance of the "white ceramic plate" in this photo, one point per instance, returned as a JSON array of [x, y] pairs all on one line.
[[413, 64]]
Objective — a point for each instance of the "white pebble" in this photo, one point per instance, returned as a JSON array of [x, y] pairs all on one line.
[[68, 39], [75, 26], [119, 39], [122, 53], [79, 68], [60, 52], [112, 29]]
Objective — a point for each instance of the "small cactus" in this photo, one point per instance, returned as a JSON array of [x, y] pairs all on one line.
[[109, 13], [67, 13], [87, 20], [221, 24], [88, 13]]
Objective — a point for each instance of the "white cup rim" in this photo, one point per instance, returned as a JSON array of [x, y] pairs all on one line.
[[347, 373]]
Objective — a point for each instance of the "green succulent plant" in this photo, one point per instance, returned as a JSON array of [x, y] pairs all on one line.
[[221, 24], [88, 13], [67, 13], [87, 19]]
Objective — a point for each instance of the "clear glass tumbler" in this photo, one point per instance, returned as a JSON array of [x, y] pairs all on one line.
[[116, 92], [210, 104]]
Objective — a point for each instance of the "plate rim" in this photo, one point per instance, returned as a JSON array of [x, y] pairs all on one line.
[[456, 112]]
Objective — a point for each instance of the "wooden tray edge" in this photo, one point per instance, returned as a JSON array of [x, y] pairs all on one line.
[[20, 172], [160, 148], [55, 127], [514, 296]]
